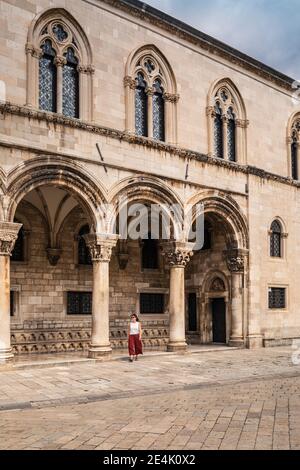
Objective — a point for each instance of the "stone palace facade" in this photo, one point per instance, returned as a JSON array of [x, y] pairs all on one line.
[[105, 100]]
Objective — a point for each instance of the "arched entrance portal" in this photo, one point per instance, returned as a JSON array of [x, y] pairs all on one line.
[[216, 295]]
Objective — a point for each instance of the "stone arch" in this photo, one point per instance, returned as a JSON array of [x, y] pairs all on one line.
[[60, 14], [151, 50], [229, 85], [148, 190], [213, 275], [225, 209], [63, 174]]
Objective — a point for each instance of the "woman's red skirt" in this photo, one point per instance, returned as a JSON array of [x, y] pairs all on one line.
[[135, 346]]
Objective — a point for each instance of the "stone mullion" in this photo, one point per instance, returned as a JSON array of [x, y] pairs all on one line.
[[100, 247], [150, 94], [8, 237], [225, 138], [59, 62]]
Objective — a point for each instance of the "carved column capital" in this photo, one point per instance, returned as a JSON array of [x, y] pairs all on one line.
[[86, 69], [210, 111], [129, 82], [177, 254], [8, 236], [30, 49], [101, 245], [171, 97], [243, 123], [60, 61], [236, 260]]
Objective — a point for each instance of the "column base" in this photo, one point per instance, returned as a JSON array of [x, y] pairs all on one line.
[[177, 347], [100, 352], [254, 341], [236, 342], [6, 356]]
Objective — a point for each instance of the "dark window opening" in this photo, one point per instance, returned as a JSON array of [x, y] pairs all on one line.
[[12, 303], [150, 253], [71, 85], [47, 78], [18, 251], [141, 107], [276, 240], [277, 298], [158, 112], [79, 303], [84, 256], [294, 151], [152, 303]]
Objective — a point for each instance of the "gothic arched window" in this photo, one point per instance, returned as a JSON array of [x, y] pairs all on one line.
[[150, 253], [18, 251], [141, 106], [218, 132], [151, 97], [47, 78], [70, 85], [276, 240], [59, 59], [84, 257], [231, 137], [158, 111], [227, 122]]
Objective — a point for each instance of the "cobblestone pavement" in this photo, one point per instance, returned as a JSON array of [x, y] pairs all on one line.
[[220, 400]]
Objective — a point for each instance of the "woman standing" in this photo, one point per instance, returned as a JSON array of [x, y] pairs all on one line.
[[134, 338]]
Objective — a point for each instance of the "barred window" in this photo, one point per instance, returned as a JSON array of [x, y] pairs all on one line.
[[150, 253], [47, 78], [277, 298], [79, 303], [294, 157], [152, 303], [158, 111], [231, 135], [70, 85], [18, 251], [218, 132], [84, 256], [141, 106], [276, 240]]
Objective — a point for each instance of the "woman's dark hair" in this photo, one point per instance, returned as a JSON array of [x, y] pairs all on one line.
[[134, 315]]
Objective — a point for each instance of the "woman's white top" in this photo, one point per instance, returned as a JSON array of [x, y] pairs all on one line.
[[134, 328]]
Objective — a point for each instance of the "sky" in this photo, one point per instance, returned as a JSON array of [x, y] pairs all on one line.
[[268, 30]]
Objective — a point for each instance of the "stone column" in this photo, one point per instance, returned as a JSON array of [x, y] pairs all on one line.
[[236, 265], [100, 246], [8, 236], [178, 255]]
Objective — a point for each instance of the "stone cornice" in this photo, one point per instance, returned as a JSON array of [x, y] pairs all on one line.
[[185, 32], [59, 119]]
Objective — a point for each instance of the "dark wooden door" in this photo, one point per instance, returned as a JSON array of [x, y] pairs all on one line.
[[219, 320], [192, 312]]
